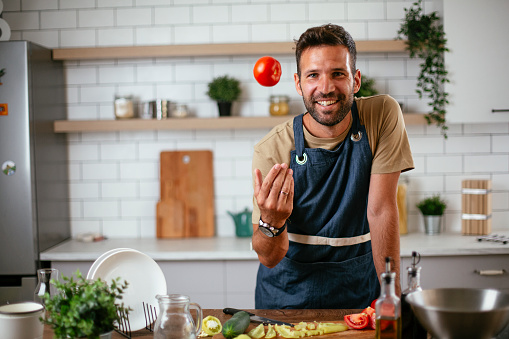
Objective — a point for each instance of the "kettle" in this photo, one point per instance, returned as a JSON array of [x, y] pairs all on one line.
[[243, 225]]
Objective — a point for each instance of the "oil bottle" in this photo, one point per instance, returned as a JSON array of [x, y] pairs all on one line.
[[412, 328], [388, 307]]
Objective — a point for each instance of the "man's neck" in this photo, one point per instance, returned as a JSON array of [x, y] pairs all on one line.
[[321, 131]]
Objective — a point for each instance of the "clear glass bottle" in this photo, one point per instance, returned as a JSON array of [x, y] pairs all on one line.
[[411, 327], [388, 307], [44, 276]]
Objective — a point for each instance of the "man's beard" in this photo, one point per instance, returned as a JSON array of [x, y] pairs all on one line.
[[329, 117]]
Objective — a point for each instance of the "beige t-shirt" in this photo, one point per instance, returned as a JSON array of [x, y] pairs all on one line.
[[381, 115]]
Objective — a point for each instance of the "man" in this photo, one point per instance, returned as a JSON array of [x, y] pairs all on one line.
[[325, 213]]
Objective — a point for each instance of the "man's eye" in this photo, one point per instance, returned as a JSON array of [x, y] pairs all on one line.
[[312, 75], [338, 74]]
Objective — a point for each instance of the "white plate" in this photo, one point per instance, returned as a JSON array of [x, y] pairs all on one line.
[[145, 278], [101, 258]]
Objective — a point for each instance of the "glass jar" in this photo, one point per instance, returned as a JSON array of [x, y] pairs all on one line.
[[179, 111], [124, 107], [279, 105], [174, 320]]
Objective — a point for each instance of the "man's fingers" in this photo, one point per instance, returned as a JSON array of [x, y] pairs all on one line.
[[258, 181]]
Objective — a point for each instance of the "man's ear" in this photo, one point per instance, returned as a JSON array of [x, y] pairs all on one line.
[[296, 79], [357, 81]]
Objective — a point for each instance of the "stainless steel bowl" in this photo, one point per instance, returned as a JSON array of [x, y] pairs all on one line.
[[450, 313]]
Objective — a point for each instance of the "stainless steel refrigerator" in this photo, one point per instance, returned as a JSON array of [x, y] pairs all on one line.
[[34, 212]]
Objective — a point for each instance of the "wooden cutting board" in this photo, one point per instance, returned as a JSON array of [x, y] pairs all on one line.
[[186, 208]]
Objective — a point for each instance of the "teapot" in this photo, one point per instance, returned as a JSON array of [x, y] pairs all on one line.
[[243, 224], [174, 320]]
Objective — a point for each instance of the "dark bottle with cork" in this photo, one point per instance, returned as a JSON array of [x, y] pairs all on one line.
[[412, 328], [388, 307]]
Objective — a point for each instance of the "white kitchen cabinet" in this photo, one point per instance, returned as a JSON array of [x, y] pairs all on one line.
[[476, 33], [472, 271], [212, 284]]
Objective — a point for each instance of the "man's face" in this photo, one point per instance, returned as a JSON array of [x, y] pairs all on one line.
[[326, 83]]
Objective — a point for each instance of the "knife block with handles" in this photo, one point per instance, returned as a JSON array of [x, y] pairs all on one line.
[[476, 207], [186, 208]]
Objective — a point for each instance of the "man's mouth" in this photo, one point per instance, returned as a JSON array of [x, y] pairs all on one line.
[[326, 102]]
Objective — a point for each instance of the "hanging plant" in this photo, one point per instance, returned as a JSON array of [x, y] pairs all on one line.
[[425, 39]]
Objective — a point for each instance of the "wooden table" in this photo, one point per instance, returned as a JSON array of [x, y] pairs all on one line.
[[291, 316]]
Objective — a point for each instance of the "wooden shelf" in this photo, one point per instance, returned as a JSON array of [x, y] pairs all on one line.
[[74, 126], [262, 48]]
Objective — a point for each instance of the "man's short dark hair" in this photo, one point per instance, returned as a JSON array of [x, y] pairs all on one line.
[[329, 34]]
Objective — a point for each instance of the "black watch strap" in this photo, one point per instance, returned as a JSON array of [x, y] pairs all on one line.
[[269, 230]]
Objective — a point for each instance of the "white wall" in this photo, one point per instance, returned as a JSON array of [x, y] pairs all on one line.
[[114, 176]]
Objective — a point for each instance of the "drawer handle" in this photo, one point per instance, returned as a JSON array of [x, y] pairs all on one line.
[[490, 272], [499, 110]]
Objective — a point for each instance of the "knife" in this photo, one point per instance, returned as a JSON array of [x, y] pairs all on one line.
[[257, 319]]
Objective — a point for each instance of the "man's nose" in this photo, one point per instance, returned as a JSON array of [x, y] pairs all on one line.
[[326, 85]]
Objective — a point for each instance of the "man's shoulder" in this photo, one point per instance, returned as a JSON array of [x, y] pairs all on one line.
[[283, 131], [377, 108]]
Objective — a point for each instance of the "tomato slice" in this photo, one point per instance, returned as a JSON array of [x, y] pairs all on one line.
[[368, 311], [357, 320], [372, 321]]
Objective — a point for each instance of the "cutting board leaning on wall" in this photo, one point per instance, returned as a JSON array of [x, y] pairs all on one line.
[[186, 208]]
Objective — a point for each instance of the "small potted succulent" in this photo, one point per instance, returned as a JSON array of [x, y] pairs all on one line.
[[432, 209], [85, 308], [224, 90]]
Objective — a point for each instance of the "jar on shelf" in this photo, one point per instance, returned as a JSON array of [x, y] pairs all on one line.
[[279, 105], [124, 107], [179, 111]]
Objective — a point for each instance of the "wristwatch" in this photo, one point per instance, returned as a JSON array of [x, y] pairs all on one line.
[[268, 230]]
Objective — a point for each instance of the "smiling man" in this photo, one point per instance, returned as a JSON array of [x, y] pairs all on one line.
[[325, 214]]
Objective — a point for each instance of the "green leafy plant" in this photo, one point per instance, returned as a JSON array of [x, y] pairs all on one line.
[[432, 205], [425, 39], [224, 89], [367, 87], [84, 308]]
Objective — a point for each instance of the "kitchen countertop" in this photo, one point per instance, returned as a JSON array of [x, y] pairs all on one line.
[[233, 248]]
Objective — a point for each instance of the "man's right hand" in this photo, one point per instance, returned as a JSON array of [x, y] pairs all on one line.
[[274, 195]]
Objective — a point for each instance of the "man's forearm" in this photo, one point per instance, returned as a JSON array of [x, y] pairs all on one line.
[[385, 243], [270, 250]]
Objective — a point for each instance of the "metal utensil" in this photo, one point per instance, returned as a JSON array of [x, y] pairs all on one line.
[[461, 312], [257, 319]]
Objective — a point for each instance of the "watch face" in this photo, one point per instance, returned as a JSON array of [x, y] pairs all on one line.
[[266, 231]]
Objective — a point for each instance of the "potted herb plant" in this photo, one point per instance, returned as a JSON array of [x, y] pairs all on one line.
[[432, 209], [425, 39], [85, 308], [224, 90]]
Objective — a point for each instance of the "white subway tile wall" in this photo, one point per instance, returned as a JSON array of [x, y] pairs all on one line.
[[114, 177]]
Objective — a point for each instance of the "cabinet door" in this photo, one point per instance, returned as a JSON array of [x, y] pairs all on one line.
[[476, 33], [471, 271]]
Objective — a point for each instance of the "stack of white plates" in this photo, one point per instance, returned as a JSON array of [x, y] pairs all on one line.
[[145, 278]]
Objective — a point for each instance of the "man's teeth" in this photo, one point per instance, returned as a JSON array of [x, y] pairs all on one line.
[[326, 103]]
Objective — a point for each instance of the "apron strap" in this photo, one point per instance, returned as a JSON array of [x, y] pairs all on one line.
[[298, 134]]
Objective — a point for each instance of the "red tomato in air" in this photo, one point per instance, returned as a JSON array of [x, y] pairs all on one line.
[[267, 71], [357, 321], [373, 303]]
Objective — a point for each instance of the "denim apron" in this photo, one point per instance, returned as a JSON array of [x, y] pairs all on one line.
[[329, 263]]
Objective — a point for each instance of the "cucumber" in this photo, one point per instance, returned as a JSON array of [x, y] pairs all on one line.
[[236, 325]]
